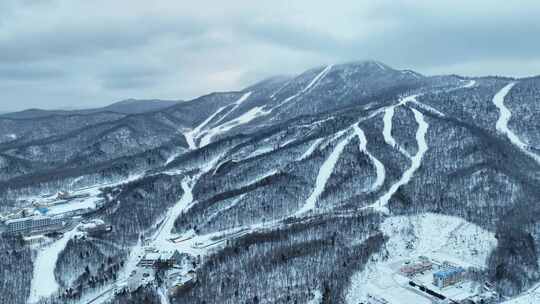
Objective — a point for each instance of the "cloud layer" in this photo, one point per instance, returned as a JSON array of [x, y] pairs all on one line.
[[67, 53]]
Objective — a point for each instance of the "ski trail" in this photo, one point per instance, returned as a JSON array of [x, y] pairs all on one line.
[[504, 118], [44, 282], [242, 119], [190, 139], [312, 84], [311, 149], [194, 134], [322, 178], [387, 124], [470, 84], [380, 65], [429, 108], [320, 76], [236, 105], [171, 158], [379, 167], [163, 298], [250, 115], [218, 212], [387, 127], [416, 161], [164, 233]]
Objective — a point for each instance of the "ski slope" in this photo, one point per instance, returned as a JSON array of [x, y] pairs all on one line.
[[207, 133], [307, 88], [416, 161], [44, 282], [469, 84], [387, 127], [324, 174], [164, 233], [504, 118], [389, 116], [311, 149], [236, 104], [379, 167]]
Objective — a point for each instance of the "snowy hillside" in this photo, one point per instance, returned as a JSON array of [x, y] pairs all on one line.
[[327, 187]]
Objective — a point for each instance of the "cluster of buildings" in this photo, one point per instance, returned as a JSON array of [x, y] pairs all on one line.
[[52, 214], [444, 275], [154, 258], [442, 283], [412, 269], [178, 269]]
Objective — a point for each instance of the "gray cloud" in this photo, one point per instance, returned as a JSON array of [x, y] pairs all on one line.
[[66, 53]]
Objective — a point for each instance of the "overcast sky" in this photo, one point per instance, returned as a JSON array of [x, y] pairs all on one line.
[[76, 54]]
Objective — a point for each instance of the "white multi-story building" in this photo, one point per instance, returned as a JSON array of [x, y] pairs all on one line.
[[34, 224]]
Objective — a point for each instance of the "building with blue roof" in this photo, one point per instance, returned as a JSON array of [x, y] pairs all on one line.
[[448, 276]]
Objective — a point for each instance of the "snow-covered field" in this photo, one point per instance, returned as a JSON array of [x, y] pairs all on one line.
[[439, 237], [532, 296]]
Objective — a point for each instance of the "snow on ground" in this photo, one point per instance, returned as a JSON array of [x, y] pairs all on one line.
[[379, 167], [193, 134], [172, 157], [311, 149], [190, 139], [163, 298], [306, 89], [504, 118], [315, 80], [240, 120], [429, 108], [77, 204], [207, 135], [231, 205], [469, 84], [416, 161], [387, 127], [532, 296], [236, 105], [324, 173], [134, 256], [317, 297], [438, 237], [43, 282], [164, 233], [261, 151]]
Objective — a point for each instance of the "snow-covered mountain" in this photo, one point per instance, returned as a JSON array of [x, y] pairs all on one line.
[[305, 189]]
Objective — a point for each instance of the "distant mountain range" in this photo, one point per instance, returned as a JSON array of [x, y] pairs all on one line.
[[128, 106]]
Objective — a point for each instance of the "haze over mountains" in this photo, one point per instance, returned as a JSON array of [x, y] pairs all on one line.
[[128, 106], [302, 189]]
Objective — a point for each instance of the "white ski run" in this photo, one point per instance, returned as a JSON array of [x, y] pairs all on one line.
[[379, 167], [416, 161], [504, 118], [324, 173]]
